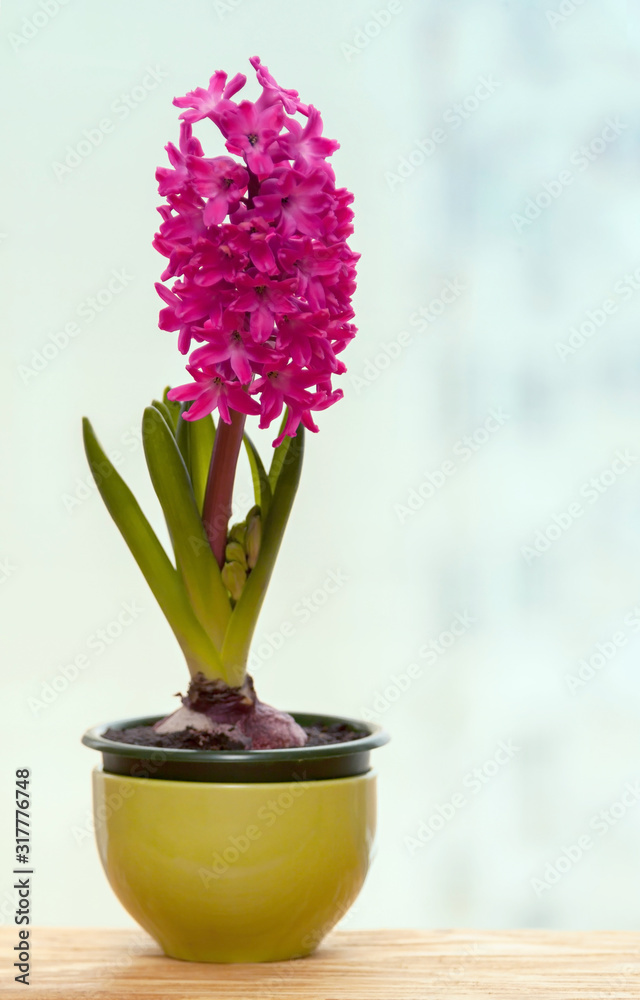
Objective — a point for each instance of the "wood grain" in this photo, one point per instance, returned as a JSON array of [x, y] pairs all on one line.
[[351, 965]]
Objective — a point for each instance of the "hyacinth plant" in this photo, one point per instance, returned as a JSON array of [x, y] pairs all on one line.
[[261, 279]]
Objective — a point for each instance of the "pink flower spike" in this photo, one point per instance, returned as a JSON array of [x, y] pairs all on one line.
[[260, 274], [290, 98], [221, 180]]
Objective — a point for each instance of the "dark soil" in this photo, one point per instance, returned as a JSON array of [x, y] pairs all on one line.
[[320, 736], [195, 739]]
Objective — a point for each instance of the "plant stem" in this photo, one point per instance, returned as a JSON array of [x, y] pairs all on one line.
[[222, 471]]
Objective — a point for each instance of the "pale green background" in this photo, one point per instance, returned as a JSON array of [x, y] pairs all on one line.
[[522, 286]]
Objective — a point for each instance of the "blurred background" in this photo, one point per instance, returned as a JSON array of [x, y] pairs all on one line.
[[463, 561]]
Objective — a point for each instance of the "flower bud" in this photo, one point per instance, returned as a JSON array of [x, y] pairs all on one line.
[[237, 533], [253, 537], [234, 552], [234, 577]]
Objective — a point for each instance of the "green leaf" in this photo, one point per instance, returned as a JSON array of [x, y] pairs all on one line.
[[165, 412], [261, 486], [196, 439], [160, 574], [279, 455], [182, 437], [235, 649], [194, 557], [172, 406]]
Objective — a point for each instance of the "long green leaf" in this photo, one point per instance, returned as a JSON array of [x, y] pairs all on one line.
[[194, 557], [166, 413], [160, 574], [279, 455], [172, 406], [261, 486], [235, 650], [195, 440], [182, 437]]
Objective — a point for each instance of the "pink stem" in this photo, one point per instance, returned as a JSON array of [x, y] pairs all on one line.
[[222, 471]]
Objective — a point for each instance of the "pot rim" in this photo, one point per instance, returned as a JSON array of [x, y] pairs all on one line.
[[373, 736]]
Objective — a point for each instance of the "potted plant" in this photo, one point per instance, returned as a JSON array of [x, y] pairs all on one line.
[[230, 830]]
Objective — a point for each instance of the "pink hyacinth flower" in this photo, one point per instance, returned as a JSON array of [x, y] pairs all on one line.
[[174, 181], [254, 238], [262, 277], [205, 103], [250, 131], [209, 391], [264, 300], [294, 201], [229, 341], [221, 181], [290, 98], [308, 143]]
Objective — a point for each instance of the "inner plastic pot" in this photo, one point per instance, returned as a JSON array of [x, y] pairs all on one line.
[[314, 763]]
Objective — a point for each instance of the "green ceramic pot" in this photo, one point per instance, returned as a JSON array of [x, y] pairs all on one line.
[[241, 868]]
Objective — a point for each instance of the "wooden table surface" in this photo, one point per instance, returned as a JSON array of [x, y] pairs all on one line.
[[350, 965]]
